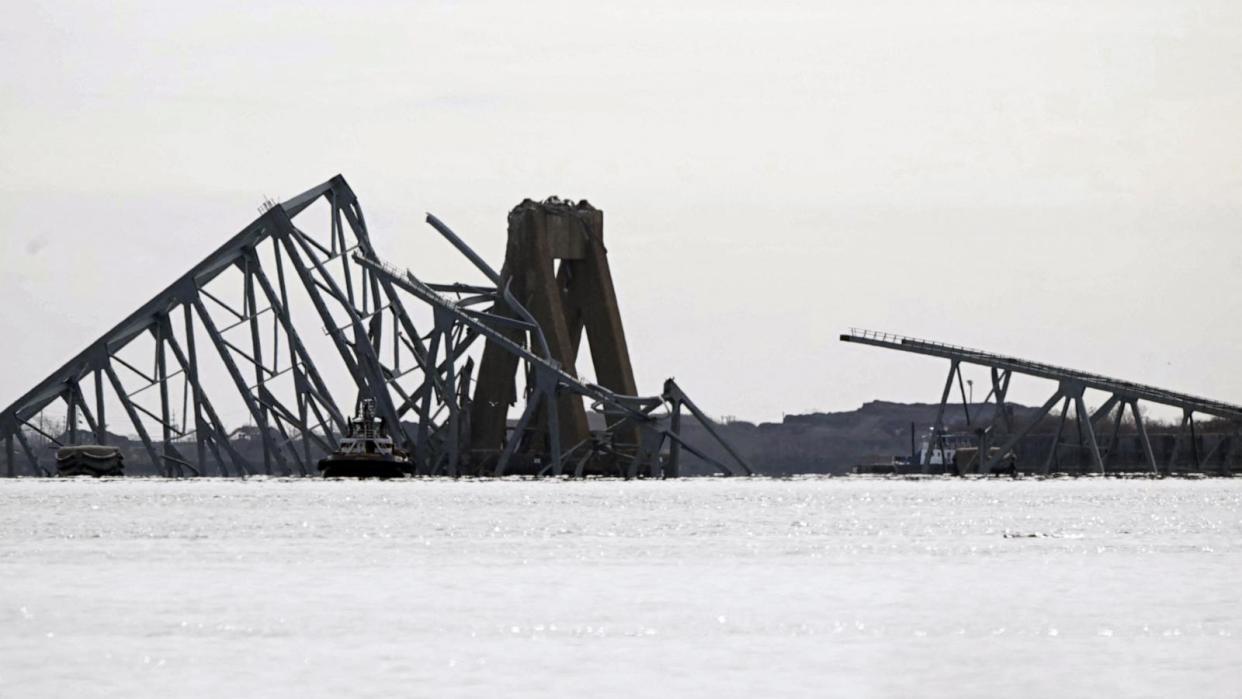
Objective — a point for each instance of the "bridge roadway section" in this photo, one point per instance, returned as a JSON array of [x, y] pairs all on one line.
[[1071, 384]]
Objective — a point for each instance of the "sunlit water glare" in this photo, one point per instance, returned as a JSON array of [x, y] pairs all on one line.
[[711, 587]]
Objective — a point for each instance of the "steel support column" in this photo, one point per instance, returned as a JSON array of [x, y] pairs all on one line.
[[1194, 439], [229, 364], [1054, 454], [260, 370], [161, 372], [1226, 466], [1000, 387], [71, 414], [937, 440], [1144, 440], [219, 434], [101, 432], [1085, 421], [965, 403], [75, 392], [191, 371], [1177, 443], [1115, 441], [673, 469], [35, 467], [119, 389]]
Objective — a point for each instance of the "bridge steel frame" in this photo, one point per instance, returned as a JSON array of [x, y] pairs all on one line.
[[186, 301], [420, 381], [1071, 386], [624, 413]]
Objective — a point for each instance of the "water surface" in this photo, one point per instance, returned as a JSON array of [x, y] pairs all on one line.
[[709, 587]]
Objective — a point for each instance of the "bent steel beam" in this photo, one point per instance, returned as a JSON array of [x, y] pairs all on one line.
[[421, 384], [1152, 394], [1071, 384], [552, 380]]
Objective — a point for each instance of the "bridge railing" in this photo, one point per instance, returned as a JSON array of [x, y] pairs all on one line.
[[899, 339]]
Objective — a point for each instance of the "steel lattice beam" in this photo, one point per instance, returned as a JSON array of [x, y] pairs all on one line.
[[224, 302], [1071, 384]]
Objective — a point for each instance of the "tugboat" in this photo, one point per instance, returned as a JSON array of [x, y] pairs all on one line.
[[366, 451]]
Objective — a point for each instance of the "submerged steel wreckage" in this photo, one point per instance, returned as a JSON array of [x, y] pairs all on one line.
[[254, 308]]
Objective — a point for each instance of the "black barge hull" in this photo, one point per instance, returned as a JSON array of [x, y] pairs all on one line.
[[361, 468]]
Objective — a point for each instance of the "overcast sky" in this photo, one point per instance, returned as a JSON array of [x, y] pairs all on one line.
[[1056, 180]]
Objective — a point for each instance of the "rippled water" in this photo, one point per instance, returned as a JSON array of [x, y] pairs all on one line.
[[606, 588]]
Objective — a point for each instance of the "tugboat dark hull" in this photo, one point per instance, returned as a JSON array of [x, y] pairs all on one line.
[[361, 468], [366, 449]]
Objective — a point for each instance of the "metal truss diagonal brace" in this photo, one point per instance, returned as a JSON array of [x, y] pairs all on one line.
[[1016, 437]]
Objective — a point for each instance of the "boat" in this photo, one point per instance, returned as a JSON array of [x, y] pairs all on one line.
[[366, 450], [958, 453], [93, 460]]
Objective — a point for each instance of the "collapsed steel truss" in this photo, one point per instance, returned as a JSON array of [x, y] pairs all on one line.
[[418, 370], [1071, 385]]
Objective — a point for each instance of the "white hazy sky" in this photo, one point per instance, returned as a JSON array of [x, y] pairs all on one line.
[[1057, 180]]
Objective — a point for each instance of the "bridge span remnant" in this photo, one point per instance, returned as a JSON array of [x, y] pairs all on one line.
[[295, 320], [1071, 386]]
